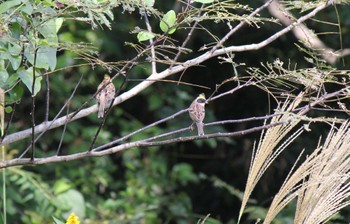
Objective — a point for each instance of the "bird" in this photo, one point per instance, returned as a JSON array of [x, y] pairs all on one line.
[[197, 112], [105, 96]]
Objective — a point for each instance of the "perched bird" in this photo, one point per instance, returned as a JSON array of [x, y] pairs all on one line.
[[105, 96], [197, 112]]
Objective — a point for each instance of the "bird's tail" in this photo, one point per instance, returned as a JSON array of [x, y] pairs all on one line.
[[200, 126], [101, 109]]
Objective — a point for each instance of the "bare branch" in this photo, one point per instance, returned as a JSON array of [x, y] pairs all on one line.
[[47, 100], [57, 115], [142, 143], [33, 105], [62, 135], [153, 53], [109, 144], [239, 26], [305, 35]]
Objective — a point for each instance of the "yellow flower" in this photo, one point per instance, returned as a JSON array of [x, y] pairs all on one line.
[[73, 219]]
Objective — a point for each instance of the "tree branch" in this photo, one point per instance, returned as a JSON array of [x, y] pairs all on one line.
[[141, 143], [305, 35]]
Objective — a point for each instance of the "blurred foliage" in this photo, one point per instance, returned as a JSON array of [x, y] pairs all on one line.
[[180, 183]]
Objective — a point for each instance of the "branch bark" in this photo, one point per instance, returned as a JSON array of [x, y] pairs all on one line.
[[305, 35]]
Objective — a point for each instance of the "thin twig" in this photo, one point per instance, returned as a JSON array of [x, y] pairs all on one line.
[[248, 83], [189, 35], [169, 81], [101, 125], [109, 144], [8, 122], [62, 135], [251, 47], [239, 26], [47, 103], [168, 134], [212, 124], [57, 115], [153, 53], [33, 105]]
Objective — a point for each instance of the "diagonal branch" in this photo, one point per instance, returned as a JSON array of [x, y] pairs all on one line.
[[305, 35]]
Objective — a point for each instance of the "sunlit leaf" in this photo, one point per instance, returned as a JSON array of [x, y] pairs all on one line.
[[58, 23], [15, 94], [45, 58], [8, 109], [74, 200], [27, 8], [8, 4], [61, 186], [15, 58], [144, 35], [27, 78], [3, 74], [49, 29], [168, 22]]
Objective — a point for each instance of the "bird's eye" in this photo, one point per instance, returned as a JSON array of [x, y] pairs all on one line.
[[201, 100]]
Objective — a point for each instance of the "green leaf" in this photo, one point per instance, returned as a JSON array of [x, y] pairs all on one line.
[[3, 74], [204, 1], [46, 57], [8, 109], [144, 35], [168, 22], [74, 200], [58, 23], [183, 172], [3, 52], [56, 220], [15, 58], [15, 94], [51, 56], [27, 8], [16, 29], [49, 29], [8, 4], [27, 78], [61, 186], [12, 79], [14, 49]]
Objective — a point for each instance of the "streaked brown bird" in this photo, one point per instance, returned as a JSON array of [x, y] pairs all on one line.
[[105, 96], [197, 112]]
